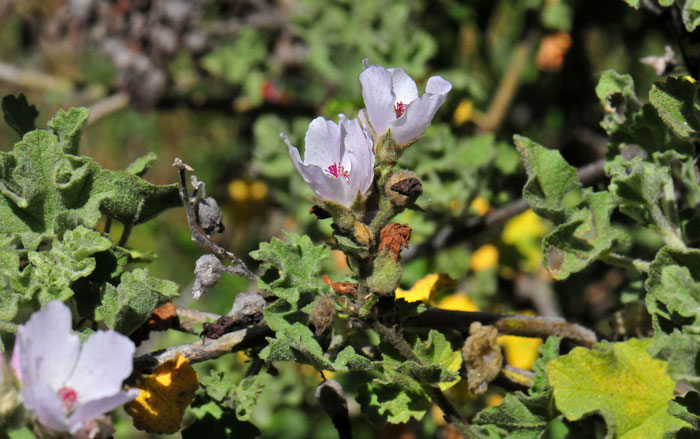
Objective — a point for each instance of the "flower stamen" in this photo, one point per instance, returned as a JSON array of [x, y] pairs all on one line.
[[337, 170], [68, 398], [399, 109]]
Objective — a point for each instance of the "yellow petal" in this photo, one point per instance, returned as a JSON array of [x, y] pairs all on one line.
[[480, 206], [493, 399], [165, 395], [425, 288], [258, 190], [484, 258], [525, 226], [458, 302], [238, 190], [464, 112], [520, 351]]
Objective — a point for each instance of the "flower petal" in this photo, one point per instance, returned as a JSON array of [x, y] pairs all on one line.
[[359, 152], [46, 405], [48, 350], [404, 87], [97, 407], [104, 362], [322, 146], [437, 85], [377, 93], [417, 117]]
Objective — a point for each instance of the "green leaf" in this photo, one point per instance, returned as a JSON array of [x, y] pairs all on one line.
[[686, 408], [21, 433], [50, 273], [690, 13], [619, 381], [348, 360], [282, 314], [127, 306], [674, 100], [218, 385], [631, 125], [437, 352], [552, 188], [386, 401], [68, 126], [141, 165], [18, 114], [681, 353], [572, 246], [582, 232], [297, 344], [634, 3], [44, 192], [296, 264], [246, 395], [673, 291]]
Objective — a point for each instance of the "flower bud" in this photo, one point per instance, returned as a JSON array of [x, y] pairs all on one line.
[[362, 233], [323, 313], [403, 188], [386, 274]]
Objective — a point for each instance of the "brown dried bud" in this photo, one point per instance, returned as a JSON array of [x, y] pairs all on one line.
[[394, 236], [363, 234], [403, 188], [319, 212], [163, 318], [482, 356], [323, 313], [341, 287]]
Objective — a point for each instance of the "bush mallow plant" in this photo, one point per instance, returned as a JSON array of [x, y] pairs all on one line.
[[68, 386], [392, 102], [338, 160]]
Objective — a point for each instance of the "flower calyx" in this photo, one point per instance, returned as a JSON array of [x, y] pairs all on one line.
[[386, 267]]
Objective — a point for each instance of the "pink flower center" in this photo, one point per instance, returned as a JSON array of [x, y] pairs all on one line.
[[68, 398], [337, 170], [399, 109]]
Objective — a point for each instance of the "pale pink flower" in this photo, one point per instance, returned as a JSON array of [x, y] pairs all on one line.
[[338, 160], [68, 385], [392, 102]]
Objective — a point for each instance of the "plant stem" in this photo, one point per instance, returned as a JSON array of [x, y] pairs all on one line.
[[669, 233], [626, 262]]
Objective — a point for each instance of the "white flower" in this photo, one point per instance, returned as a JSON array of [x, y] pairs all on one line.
[[338, 160], [68, 385], [392, 101]]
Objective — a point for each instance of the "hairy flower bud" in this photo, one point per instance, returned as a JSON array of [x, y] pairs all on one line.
[[403, 188], [323, 313]]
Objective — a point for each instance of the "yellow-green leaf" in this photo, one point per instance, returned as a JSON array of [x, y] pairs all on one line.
[[621, 382]]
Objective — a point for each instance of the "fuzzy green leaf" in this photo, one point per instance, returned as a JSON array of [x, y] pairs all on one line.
[[582, 230], [68, 126], [681, 353], [297, 344], [436, 352], [50, 273], [218, 385], [127, 306], [296, 265], [18, 114], [553, 188], [387, 401], [619, 381], [246, 395], [674, 99], [686, 408], [141, 165], [44, 192], [673, 291], [690, 13]]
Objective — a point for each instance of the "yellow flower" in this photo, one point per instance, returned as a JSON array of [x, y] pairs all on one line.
[[525, 233], [493, 400], [165, 395], [258, 190], [464, 112], [458, 302], [484, 258], [520, 351], [238, 190], [426, 288], [480, 206]]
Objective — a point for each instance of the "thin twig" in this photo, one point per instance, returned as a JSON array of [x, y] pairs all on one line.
[[107, 106], [206, 349], [198, 236], [190, 318], [453, 235], [126, 232], [28, 79], [527, 326]]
